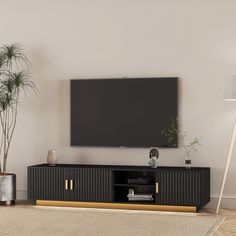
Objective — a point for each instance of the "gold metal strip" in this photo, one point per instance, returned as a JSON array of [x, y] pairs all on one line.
[[117, 206], [157, 187], [71, 184], [66, 184]]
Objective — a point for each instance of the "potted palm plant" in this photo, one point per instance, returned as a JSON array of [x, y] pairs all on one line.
[[14, 79]]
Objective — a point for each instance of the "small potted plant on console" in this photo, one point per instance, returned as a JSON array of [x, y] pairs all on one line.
[[13, 81], [175, 137]]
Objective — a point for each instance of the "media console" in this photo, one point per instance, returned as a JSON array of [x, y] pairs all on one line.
[[106, 186]]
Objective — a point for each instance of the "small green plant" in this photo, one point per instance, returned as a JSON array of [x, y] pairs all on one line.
[[13, 81], [176, 138]]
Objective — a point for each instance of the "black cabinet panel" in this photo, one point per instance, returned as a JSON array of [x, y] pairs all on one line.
[[184, 188], [47, 184], [95, 185]]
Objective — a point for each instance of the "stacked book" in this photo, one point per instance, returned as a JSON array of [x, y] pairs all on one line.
[[140, 197]]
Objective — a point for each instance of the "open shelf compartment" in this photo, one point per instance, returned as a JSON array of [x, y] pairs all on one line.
[[123, 177], [141, 182]]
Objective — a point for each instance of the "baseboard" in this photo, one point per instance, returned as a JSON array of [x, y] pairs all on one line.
[[228, 202]]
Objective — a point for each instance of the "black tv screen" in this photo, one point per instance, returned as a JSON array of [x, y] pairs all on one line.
[[122, 112]]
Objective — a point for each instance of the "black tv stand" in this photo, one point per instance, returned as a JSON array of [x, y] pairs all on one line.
[[106, 186]]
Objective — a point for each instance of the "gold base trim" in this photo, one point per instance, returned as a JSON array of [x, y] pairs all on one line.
[[125, 206]]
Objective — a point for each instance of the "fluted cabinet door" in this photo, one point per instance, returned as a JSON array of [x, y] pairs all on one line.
[[95, 185], [183, 188], [48, 184]]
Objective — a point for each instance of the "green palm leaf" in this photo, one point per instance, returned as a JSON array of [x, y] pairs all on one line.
[[12, 54], [13, 81]]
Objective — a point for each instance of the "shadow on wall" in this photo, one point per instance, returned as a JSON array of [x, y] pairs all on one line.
[[64, 119]]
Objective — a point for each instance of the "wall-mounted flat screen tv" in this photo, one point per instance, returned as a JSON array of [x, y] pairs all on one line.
[[122, 112]]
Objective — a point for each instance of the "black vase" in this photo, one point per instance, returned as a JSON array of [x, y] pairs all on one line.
[[188, 164]]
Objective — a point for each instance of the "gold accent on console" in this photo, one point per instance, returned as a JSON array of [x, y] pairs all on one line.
[[126, 206], [71, 184], [157, 187], [66, 184]]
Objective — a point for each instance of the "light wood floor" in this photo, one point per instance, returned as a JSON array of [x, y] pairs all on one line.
[[228, 227]]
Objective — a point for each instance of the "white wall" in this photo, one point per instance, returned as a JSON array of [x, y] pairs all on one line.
[[192, 39]]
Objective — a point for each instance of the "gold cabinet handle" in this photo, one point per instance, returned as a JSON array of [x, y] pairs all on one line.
[[71, 184], [157, 187], [66, 184]]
